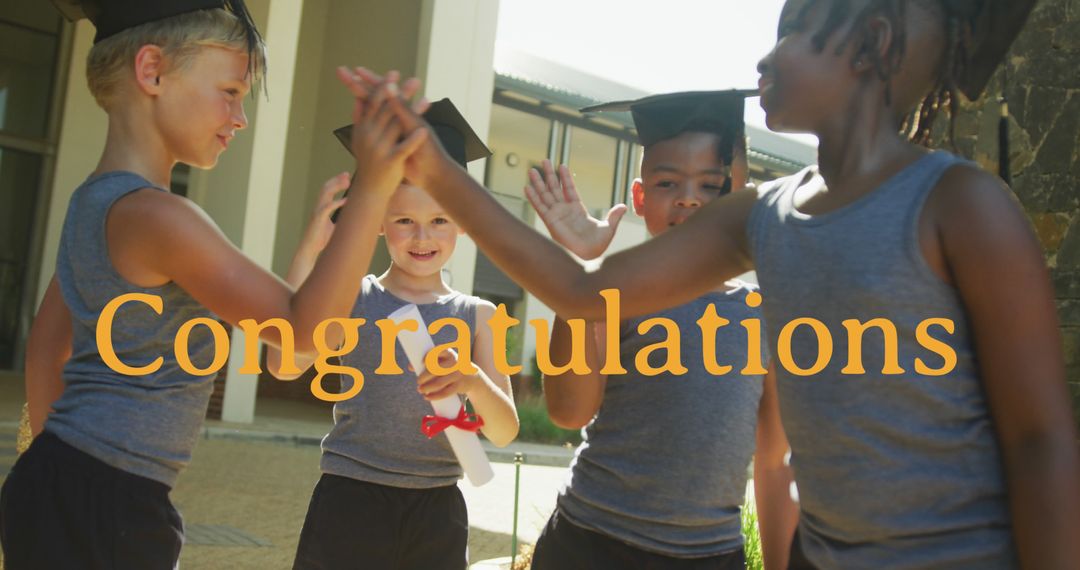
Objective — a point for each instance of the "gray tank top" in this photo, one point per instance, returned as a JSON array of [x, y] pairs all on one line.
[[146, 425], [664, 463], [893, 471], [376, 435]]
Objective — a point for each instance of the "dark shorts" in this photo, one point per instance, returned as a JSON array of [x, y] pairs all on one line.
[[566, 546], [797, 560], [354, 524], [61, 508]]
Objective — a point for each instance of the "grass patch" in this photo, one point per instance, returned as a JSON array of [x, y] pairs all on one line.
[[536, 426], [752, 547]]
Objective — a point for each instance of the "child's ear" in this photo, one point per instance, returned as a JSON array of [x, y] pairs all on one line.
[[637, 192], [149, 67], [873, 49]]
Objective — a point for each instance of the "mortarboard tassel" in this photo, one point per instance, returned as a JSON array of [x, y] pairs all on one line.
[[1003, 132], [254, 38]]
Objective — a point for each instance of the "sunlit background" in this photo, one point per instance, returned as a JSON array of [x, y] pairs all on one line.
[[653, 46]]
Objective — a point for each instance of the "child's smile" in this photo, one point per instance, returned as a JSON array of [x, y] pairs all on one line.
[[423, 255], [420, 237]]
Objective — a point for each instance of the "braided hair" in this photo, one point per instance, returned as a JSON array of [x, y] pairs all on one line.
[[918, 123]]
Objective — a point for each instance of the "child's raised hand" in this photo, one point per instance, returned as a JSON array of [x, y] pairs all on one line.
[[377, 138], [433, 387], [557, 202], [363, 82], [430, 156], [320, 227]]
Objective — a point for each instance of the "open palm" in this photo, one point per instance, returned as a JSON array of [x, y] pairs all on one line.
[[557, 202]]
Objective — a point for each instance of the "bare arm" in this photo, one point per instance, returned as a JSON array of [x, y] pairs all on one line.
[[716, 236], [493, 400], [778, 513], [573, 399], [146, 226], [316, 237], [488, 390], [47, 349], [998, 267], [302, 264]]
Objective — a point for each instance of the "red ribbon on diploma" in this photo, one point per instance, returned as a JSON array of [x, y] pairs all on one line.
[[433, 425]]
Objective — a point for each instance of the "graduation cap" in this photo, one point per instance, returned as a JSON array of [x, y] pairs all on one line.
[[453, 131], [111, 17], [993, 26], [661, 117]]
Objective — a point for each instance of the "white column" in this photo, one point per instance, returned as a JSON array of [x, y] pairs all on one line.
[[456, 59], [270, 124]]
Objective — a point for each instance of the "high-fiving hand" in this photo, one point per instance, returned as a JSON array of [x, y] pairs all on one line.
[[426, 159]]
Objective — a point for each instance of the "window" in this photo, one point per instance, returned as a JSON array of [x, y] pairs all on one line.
[[518, 141], [593, 164], [29, 45]]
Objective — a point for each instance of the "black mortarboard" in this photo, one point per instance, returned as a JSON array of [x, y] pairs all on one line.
[[453, 131], [661, 117], [993, 26], [111, 17]]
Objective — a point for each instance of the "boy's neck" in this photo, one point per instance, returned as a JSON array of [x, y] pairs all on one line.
[[131, 145], [414, 288]]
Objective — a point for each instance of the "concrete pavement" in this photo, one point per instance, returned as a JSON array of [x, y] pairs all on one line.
[[244, 496]]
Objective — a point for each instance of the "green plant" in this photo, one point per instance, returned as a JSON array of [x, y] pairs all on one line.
[[752, 536], [515, 340], [537, 385], [536, 426]]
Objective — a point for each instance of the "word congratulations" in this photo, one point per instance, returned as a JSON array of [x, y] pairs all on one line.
[[501, 323]]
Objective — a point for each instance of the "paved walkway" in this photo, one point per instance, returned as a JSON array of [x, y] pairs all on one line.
[[244, 496]]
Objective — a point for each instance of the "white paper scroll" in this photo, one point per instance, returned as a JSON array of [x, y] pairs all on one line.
[[466, 445]]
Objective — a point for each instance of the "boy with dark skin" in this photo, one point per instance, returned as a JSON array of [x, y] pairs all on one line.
[[624, 503]]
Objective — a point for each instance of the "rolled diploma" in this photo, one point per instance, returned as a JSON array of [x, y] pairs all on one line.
[[466, 445]]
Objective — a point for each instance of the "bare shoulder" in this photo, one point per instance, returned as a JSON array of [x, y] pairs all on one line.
[[966, 197], [146, 229], [159, 221], [484, 311], [153, 209], [980, 224]]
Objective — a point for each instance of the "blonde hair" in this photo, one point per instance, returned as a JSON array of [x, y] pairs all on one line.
[[180, 38]]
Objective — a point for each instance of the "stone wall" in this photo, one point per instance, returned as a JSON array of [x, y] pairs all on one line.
[[1043, 90]]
